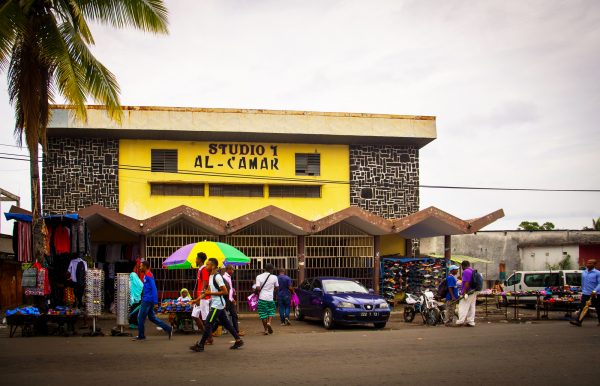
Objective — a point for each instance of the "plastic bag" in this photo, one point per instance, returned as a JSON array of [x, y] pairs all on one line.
[[253, 302], [294, 301]]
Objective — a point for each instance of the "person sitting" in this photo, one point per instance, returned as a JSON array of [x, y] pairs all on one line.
[[185, 296]]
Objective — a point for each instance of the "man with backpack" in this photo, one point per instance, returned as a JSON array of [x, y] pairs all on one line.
[[471, 283], [231, 305], [217, 292], [451, 295]]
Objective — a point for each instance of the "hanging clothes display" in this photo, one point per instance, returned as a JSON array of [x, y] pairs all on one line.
[[24, 247], [43, 283], [62, 240]]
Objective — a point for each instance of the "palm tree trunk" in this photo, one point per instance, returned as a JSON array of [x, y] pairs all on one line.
[[36, 206]]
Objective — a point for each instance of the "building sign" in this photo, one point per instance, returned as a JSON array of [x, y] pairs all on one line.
[[238, 156]]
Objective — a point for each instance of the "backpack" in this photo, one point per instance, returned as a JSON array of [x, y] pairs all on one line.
[[80, 273], [476, 281], [442, 289], [217, 287]]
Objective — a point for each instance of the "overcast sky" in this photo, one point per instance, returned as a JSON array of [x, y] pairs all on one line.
[[514, 85]]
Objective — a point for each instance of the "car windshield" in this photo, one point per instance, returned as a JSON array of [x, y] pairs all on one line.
[[339, 286]]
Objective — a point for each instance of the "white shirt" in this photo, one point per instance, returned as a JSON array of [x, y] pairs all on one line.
[[216, 301], [267, 286], [73, 268]]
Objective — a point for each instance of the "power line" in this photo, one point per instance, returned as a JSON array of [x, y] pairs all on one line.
[[292, 179]]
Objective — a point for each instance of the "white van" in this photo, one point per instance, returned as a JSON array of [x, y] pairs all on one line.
[[539, 280]]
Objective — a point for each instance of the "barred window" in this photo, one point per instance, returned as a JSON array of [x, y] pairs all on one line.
[[162, 189], [308, 164], [164, 160], [236, 190], [301, 191]]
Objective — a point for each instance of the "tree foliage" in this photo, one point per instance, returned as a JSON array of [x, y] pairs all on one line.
[[45, 50], [535, 226]]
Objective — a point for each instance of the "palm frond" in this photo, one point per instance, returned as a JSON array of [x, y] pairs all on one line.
[[147, 15], [99, 83], [68, 75], [73, 14], [12, 24]]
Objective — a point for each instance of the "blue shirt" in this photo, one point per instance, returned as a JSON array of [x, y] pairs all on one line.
[[590, 281], [150, 291], [452, 287], [284, 285]]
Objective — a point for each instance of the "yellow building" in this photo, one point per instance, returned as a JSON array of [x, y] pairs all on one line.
[[317, 193]]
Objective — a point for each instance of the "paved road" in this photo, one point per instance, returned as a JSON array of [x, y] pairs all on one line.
[[548, 353]]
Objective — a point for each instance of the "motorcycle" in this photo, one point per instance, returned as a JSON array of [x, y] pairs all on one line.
[[431, 311]]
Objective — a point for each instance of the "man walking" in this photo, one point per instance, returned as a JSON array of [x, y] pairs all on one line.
[[217, 292], [231, 305], [149, 299], [468, 301], [284, 296], [266, 283], [201, 303], [451, 296], [590, 286]]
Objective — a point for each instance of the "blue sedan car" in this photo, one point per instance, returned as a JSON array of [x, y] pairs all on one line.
[[340, 300]]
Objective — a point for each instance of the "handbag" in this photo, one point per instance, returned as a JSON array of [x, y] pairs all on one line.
[[29, 277], [43, 284], [253, 302], [294, 300]]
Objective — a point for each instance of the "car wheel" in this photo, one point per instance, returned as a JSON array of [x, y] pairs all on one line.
[[409, 314], [298, 315], [380, 325], [328, 319]]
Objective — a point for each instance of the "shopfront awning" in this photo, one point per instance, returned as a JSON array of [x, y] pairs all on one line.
[[432, 222], [27, 217]]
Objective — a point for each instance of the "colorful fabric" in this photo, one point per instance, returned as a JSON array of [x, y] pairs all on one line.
[[24, 254], [62, 240], [135, 288], [43, 283], [266, 309]]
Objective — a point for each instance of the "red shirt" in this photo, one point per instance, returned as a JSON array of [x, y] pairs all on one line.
[[202, 276]]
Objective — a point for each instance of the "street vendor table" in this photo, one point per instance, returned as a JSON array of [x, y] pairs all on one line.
[[29, 324], [180, 320], [66, 323]]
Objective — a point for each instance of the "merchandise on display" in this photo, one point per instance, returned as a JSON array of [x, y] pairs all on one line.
[[59, 310], [405, 275], [94, 292], [122, 299], [170, 305], [23, 311]]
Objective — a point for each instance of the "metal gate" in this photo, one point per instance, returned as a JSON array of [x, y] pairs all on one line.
[[264, 243], [162, 244], [340, 250]]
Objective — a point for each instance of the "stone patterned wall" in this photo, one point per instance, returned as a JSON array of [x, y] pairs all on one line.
[[390, 173], [79, 172]]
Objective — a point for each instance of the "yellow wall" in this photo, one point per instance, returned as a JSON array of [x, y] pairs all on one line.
[[134, 185], [392, 245]]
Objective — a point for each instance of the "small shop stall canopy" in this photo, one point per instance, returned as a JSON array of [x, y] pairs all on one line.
[[27, 217], [460, 258]]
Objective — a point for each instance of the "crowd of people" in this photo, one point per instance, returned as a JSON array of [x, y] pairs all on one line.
[[214, 302]]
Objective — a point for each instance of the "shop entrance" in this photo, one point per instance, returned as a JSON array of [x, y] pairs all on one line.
[[161, 244], [341, 250], [264, 243]]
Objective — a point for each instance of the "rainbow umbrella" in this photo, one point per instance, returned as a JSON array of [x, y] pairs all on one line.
[[185, 257]]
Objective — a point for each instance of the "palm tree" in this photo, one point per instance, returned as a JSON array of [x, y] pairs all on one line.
[[45, 44]]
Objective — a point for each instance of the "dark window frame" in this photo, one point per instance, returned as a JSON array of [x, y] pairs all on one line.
[[308, 164], [236, 190], [295, 191], [164, 160], [177, 189]]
